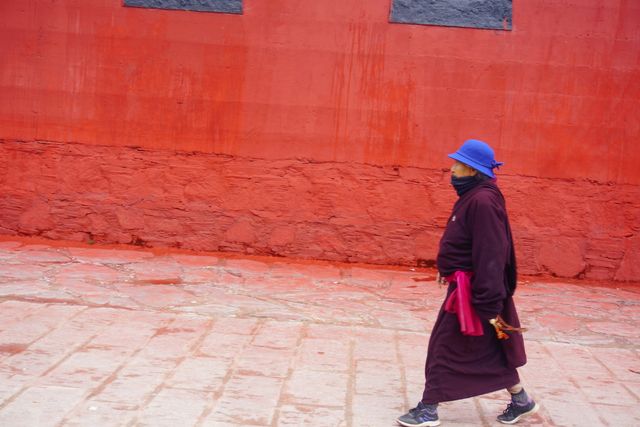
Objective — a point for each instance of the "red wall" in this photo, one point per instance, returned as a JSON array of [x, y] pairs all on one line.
[[332, 82]]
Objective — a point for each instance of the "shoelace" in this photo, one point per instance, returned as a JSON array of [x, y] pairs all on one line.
[[415, 410], [418, 410], [509, 409]]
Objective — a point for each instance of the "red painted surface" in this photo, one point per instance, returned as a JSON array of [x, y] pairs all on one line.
[[330, 80], [318, 129], [331, 211]]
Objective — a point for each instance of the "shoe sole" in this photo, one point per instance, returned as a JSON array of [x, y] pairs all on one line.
[[424, 424], [525, 414]]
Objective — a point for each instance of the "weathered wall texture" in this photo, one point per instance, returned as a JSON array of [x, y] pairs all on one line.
[[323, 210], [319, 129]]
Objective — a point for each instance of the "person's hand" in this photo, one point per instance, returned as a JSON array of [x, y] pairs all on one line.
[[441, 280]]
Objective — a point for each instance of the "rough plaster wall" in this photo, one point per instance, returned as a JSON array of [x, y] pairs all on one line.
[[330, 81], [333, 211]]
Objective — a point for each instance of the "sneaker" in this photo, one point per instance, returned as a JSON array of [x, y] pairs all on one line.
[[419, 417], [514, 412]]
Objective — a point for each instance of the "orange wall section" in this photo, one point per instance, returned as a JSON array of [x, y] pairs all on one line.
[[331, 80]]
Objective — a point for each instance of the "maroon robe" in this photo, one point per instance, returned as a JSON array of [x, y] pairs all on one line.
[[477, 238]]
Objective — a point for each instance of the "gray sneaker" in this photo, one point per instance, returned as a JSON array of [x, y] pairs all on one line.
[[419, 416], [514, 412]]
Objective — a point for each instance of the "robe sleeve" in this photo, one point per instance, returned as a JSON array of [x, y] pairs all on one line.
[[490, 249]]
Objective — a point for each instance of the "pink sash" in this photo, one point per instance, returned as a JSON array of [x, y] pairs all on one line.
[[459, 302]]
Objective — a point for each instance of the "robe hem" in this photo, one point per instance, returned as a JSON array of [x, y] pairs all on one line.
[[477, 392]]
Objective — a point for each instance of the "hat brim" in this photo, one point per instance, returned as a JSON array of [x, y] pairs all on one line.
[[471, 163]]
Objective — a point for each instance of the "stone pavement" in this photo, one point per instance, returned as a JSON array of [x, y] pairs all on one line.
[[94, 336]]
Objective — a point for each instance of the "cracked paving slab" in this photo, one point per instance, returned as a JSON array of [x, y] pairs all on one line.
[[122, 336]]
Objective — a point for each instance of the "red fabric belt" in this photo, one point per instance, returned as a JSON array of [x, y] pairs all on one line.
[[459, 302]]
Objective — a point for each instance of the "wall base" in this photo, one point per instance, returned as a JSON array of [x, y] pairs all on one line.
[[297, 208]]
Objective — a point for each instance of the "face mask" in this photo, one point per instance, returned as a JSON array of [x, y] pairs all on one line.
[[463, 184]]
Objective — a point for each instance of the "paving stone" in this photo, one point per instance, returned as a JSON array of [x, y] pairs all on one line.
[[87, 272], [41, 256], [223, 345], [11, 384], [97, 318], [41, 406], [559, 390], [609, 393], [174, 407], [463, 412], [375, 345], [196, 260], [327, 331], [369, 275], [86, 368], [369, 380], [13, 312], [321, 388], [577, 360], [371, 410], [157, 271], [68, 337], [210, 310], [34, 363], [299, 415], [615, 328], [577, 414], [23, 272], [413, 349], [312, 312], [82, 289], [131, 388], [100, 337], [248, 400], [278, 335], [93, 413], [270, 362], [108, 256], [156, 296], [634, 387], [201, 373], [324, 354], [182, 330], [127, 332], [616, 415], [393, 319], [216, 421], [35, 326], [246, 266], [200, 276]]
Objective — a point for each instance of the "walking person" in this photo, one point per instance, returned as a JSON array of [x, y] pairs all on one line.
[[476, 343]]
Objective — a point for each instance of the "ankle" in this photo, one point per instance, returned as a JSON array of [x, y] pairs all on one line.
[[521, 398], [431, 408], [515, 389]]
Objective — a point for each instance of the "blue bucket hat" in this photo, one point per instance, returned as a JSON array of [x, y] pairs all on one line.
[[478, 155]]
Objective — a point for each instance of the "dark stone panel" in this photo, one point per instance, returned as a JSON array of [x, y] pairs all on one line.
[[224, 6], [489, 14]]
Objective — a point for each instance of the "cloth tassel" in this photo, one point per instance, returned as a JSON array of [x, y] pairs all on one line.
[[503, 328]]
